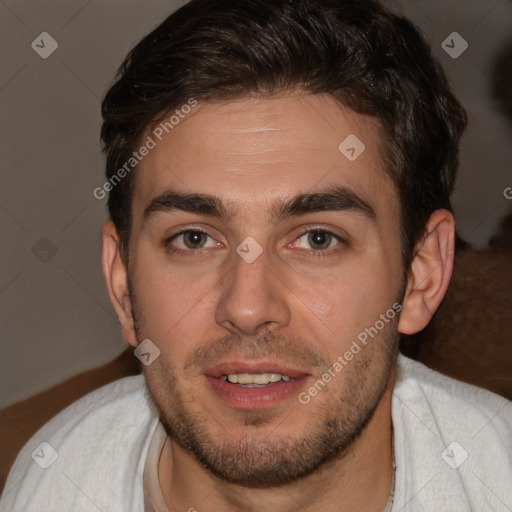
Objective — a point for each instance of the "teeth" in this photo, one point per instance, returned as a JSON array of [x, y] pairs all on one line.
[[258, 378]]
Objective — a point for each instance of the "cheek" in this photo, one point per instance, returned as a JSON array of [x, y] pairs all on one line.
[[334, 308], [351, 291], [171, 303]]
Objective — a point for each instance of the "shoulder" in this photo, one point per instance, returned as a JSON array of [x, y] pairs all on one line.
[[91, 449], [453, 442], [418, 385]]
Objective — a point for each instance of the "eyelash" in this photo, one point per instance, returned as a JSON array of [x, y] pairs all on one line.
[[193, 252]]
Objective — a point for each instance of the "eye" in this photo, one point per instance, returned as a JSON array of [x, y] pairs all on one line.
[[317, 240], [191, 239]]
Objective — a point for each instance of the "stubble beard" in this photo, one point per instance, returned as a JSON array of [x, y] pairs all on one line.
[[244, 456]]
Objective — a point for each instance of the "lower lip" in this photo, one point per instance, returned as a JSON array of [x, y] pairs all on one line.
[[255, 398]]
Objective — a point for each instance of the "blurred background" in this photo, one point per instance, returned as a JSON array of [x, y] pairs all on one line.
[[58, 60]]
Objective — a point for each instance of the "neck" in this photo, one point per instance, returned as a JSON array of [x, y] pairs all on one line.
[[360, 480]]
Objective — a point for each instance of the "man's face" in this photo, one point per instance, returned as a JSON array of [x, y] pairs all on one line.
[[329, 267]]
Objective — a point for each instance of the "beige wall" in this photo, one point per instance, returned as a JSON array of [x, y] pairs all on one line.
[[55, 316]]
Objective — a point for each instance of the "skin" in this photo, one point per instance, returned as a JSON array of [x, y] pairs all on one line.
[[291, 305]]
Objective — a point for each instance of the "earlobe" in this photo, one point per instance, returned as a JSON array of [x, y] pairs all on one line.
[[430, 273], [116, 278]]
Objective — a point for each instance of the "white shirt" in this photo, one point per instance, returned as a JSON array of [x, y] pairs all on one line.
[[452, 442]]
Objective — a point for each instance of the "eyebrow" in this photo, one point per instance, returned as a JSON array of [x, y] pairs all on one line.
[[331, 199]]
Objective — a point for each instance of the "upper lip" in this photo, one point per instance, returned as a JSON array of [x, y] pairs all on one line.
[[231, 367]]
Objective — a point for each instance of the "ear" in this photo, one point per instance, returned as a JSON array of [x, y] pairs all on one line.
[[430, 273], [116, 277]]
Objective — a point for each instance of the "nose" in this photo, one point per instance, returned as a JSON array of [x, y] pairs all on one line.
[[253, 298]]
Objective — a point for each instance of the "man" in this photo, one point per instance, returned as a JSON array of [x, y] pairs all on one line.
[[279, 176]]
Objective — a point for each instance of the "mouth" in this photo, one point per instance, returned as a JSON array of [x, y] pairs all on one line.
[[254, 386]]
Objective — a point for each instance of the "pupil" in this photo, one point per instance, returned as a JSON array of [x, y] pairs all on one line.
[[193, 239]]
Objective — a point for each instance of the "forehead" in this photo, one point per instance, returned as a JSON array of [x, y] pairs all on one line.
[[251, 152]]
